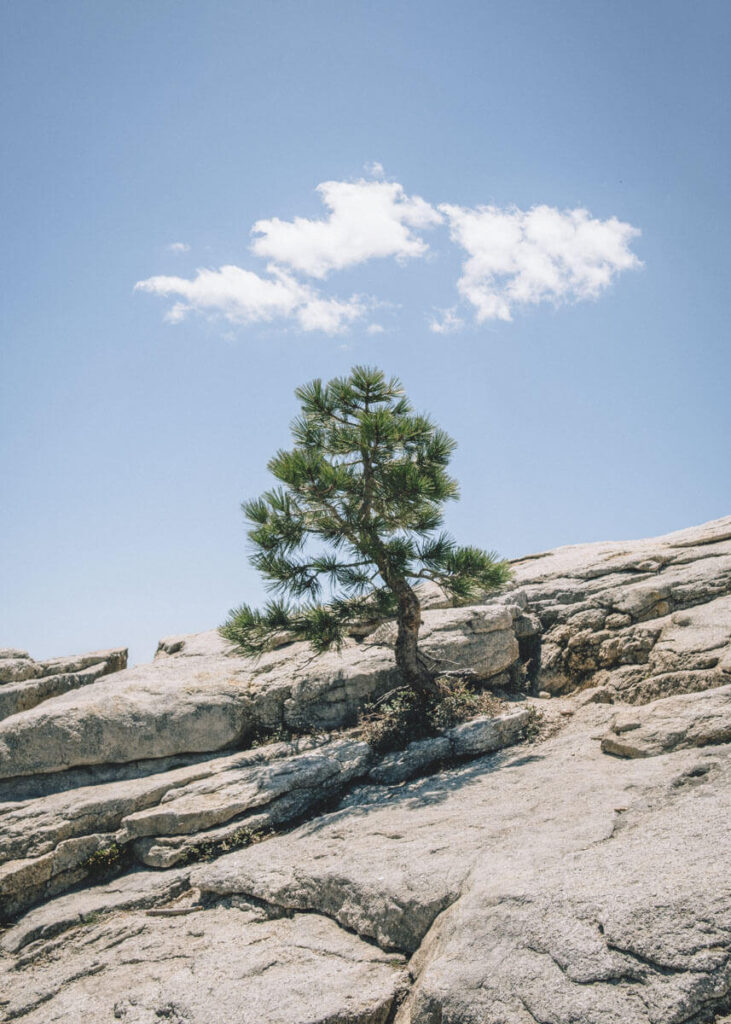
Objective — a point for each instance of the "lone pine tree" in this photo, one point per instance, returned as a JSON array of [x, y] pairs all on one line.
[[366, 476]]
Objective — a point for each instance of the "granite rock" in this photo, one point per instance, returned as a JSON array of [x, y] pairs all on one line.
[[197, 696], [691, 720], [580, 876]]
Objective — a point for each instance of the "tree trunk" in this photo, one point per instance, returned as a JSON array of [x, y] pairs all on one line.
[[408, 618], [407, 653]]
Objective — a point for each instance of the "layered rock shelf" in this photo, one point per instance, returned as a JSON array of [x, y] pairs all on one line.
[[25, 682], [164, 856]]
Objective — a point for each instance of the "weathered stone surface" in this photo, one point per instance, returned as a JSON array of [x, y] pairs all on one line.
[[562, 882], [204, 804], [125, 717], [17, 666], [631, 929], [691, 720], [416, 759], [30, 682], [114, 658], [555, 878], [24, 882], [218, 964], [549, 882], [642, 619], [482, 735], [485, 734], [196, 696], [33, 831], [132, 891], [17, 697], [344, 866], [164, 818], [262, 800], [12, 652]]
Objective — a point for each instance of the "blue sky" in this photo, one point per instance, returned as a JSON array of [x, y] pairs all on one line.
[[600, 410]]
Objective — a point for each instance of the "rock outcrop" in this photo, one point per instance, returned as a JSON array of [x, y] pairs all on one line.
[[25, 682], [566, 860], [198, 696], [637, 620]]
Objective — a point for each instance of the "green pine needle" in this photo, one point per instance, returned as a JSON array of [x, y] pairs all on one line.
[[367, 477]]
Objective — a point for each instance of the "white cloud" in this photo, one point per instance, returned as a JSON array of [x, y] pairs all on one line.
[[523, 257], [447, 323], [374, 169], [512, 259], [329, 315], [243, 297], [368, 220]]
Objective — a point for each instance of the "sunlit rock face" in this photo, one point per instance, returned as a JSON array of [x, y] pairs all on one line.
[[564, 859]]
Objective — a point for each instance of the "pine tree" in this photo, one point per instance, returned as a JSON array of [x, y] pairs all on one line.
[[367, 476]]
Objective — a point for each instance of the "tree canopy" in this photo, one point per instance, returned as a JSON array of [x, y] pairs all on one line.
[[356, 522]]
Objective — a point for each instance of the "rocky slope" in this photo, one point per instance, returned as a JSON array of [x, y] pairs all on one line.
[[566, 861]]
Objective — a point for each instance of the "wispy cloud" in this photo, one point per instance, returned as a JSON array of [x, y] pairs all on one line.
[[368, 220], [522, 257], [374, 169], [513, 259], [446, 321]]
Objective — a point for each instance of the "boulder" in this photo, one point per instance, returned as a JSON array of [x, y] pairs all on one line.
[[134, 714], [486, 734]]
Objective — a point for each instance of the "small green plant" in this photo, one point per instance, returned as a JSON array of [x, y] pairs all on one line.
[[459, 703], [103, 860], [403, 717]]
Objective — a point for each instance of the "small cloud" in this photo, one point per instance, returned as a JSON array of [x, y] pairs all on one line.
[[374, 329], [517, 258], [447, 323], [176, 313], [367, 220], [374, 169], [243, 297], [178, 247]]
